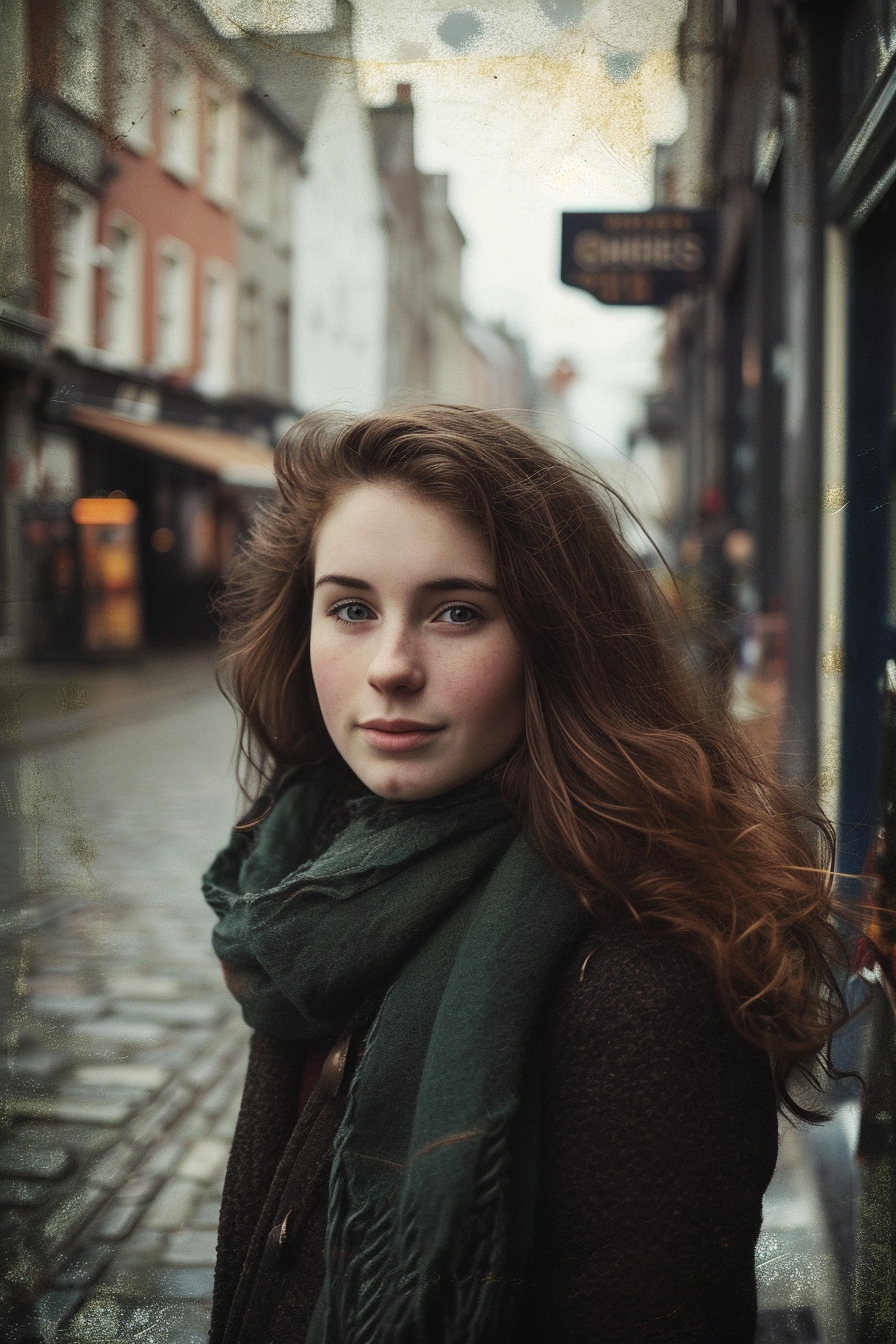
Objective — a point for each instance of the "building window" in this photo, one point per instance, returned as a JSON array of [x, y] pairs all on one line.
[[174, 307], [282, 188], [75, 241], [255, 174], [133, 94], [220, 148], [124, 293], [180, 142], [80, 73], [251, 337], [217, 329], [283, 345]]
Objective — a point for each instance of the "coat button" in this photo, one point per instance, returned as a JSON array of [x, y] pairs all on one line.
[[277, 1238], [332, 1073]]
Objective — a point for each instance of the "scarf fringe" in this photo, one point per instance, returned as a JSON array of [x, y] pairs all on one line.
[[383, 1291]]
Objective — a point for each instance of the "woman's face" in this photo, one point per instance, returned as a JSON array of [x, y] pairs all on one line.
[[418, 674]]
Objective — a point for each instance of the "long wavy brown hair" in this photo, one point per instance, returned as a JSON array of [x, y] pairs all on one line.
[[640, 791]]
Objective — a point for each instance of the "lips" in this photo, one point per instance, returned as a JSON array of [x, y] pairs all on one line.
[[398, 734]]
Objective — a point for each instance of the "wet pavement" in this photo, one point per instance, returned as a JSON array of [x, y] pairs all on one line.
[[123, 1053]]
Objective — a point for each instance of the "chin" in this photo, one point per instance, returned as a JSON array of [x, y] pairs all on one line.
[[404, 786]]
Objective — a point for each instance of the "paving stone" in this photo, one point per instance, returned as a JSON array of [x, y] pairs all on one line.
[[138, 1189], [42, 1064], [188, 1325], [203, 1160], [144, 1077], [202, 1072], [223, 1129], [143, 1243], [72, 1091], [48, 1313], [171, 1055], [82, 1140], [208, 1215], [217, 1098], [122, 1029], [186, 1283], [191, 1247], [117, 1221], [164, 1159], [47, 1164], [83, 1267], [199, 1039], [105, 1318], [189, 1013], [69, 1215], [173, 1205], [71, 986], [53, 1005], [194, 1125], [23, 1194], [111, 1169], [159, 1114], [144, 987], [88, 1110]]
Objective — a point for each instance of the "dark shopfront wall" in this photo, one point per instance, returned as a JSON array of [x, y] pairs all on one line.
[[869, 638], [177, 583]]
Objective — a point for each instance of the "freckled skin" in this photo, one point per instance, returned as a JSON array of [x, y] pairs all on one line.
[[446, 660]]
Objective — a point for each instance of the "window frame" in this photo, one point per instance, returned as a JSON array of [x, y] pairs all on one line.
[[181, 359], [217, 378], [180, 152], [255, 176], [220, 181], [80, 334], [130, 351]]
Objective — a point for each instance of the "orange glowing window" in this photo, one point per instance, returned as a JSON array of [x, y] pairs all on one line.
[[104, 512]]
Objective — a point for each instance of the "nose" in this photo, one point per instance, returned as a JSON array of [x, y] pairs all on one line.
[[397, 662]]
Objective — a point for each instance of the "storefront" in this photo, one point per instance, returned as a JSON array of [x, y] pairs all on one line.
[[862, 206], [132, 557]]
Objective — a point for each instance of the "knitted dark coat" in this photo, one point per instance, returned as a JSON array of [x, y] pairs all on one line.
[[659, 1139]]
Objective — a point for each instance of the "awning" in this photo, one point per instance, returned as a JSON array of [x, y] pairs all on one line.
[[230, 457]]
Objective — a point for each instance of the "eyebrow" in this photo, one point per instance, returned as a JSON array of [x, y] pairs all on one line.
[[447, 585]]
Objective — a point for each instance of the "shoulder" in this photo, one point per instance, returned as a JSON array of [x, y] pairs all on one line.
[[622, 972], [643, 1011]]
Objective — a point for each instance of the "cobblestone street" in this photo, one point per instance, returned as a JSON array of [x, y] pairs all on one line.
[[124, 1052]]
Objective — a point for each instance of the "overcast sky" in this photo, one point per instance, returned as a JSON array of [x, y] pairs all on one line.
[[542, 107]]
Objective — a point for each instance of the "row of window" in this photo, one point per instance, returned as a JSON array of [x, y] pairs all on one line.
[[121, 261], [198, 122]]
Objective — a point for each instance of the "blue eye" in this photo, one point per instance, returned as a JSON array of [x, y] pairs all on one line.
[[351, 612]]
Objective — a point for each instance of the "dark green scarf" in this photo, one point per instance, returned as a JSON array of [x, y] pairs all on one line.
[[444, 906]]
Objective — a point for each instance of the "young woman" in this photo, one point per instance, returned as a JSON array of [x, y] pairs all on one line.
[[533, 945]]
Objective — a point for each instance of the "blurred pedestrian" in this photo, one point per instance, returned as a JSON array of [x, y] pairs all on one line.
[[715, 561], [533, 945]]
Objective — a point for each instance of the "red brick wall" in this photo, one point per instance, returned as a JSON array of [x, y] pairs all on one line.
[[160, 204], [166, 207]]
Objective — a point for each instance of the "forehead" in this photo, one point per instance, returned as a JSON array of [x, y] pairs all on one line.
[[385, 528]]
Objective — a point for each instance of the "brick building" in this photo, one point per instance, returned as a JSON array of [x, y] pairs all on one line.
[[136, 111]]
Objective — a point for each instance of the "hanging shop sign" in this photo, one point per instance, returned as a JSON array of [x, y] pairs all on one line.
[[637, 257]]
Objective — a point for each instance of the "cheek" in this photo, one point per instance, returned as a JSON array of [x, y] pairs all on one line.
[[488, 691], [334, 675]]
